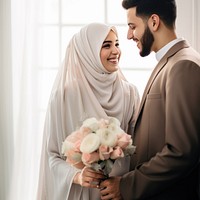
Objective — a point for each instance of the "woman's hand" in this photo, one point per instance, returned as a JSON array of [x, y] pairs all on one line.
[[89, 178], [109, 189]]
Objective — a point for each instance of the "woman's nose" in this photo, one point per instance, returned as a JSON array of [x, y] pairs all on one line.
[[116, 50]]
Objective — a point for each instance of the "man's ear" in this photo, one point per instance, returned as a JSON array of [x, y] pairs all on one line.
[[154, 22]]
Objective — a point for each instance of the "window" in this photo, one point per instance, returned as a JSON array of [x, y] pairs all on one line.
[[60, 19]]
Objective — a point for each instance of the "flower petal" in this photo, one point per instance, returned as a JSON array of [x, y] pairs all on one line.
[[90, 143]]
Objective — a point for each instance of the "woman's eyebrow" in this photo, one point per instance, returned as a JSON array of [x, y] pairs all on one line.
[[109, 41]]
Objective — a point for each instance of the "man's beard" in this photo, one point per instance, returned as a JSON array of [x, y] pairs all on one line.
[[146, 42]]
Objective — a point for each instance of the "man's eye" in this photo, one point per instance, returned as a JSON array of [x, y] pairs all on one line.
[[132, 27]]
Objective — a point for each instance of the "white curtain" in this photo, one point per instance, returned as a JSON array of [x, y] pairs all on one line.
[[20, 134], [26, 135], [6, 120]]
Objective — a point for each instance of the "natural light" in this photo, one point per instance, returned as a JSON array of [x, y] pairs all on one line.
[[35, 36]]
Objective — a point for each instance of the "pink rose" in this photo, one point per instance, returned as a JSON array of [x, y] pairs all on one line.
[[89, 158], [78, 135], [117, 153], [73, 141], [73, 137], [104, 152], [124, 140], [84, 131], [77, 145]]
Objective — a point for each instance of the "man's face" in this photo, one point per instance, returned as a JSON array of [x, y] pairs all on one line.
[[139, 32]]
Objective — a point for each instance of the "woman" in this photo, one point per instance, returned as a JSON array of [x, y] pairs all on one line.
[[89, 84]]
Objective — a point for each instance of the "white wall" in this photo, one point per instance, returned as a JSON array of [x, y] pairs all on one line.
[[188, 21]]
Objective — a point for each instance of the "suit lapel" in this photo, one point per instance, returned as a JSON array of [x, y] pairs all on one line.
[[157, 69], [155, 72]]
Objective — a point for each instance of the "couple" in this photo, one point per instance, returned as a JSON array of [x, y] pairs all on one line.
[[165, 165]]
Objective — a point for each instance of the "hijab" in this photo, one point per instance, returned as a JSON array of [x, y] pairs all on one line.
[[83, 88]]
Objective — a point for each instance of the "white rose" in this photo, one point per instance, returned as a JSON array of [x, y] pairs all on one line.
[[91, 123], [90, 143], [107, 137], [113, 120], [66, 146], [115, 128]]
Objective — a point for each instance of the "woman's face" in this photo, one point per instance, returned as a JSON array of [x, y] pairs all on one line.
[[110, 52]]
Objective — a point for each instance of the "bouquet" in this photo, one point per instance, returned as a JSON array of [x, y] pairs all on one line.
[[97, 144]]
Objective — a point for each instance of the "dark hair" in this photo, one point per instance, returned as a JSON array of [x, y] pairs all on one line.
[[165, 9]]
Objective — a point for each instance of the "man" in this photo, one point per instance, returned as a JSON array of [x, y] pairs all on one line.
[[165, 165]]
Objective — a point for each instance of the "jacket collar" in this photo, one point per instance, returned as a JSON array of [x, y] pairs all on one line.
[[172, 51]]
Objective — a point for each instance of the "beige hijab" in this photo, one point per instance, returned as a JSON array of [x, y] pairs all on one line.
[[83, 88]]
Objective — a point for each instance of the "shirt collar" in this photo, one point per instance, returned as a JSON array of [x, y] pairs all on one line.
[[164, 49]]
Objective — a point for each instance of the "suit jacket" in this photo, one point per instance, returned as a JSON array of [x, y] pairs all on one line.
[[165, 165]]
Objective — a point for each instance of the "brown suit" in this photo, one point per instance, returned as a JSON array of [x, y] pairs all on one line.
[[167, 131]]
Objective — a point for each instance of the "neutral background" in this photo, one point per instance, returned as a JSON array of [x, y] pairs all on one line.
[[33, 38]]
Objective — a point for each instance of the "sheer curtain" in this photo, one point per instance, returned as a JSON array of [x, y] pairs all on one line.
[[27, 140], [6, 120], [20, 132]]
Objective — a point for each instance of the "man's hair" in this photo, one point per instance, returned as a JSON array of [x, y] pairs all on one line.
[[165, 9]]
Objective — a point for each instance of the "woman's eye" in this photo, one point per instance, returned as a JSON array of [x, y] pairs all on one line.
[[106, 46]]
